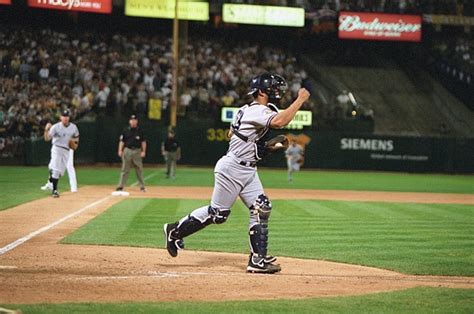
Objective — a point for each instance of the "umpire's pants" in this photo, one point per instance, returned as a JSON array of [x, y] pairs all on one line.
[[170, 158], [131, 157]]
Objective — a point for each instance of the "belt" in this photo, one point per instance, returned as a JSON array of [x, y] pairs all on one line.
[[66, 148], [248, 163], [252, 164], [133, 147]]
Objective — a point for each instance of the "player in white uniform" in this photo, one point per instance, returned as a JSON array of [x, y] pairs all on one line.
[[60, 134], [293, 154], [71, 173], [236, 173]]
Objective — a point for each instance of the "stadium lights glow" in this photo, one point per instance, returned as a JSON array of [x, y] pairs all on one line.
[[262, 15]]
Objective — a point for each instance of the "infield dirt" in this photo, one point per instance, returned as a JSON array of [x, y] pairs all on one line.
[[43, 271]]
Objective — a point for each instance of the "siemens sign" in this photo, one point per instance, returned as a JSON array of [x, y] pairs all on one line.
[[366, 144]]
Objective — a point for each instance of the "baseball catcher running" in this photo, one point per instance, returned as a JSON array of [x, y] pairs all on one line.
[[236, 174]]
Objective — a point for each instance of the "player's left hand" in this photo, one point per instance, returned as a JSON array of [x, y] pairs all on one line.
[[276, 143], [73, 144], [142, 154]]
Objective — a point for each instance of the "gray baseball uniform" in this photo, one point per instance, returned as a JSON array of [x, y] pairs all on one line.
[[293, 154], [235, 174]]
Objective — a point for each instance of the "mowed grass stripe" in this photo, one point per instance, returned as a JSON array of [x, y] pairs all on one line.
[[416, 300], [410, 239], [22, 184]]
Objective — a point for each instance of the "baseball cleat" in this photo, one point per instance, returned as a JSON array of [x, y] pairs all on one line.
[[47, 186], [55, 194], [267, 259], [119, 189], [257, 265], [172, 244], [270, 259], [143, 189]]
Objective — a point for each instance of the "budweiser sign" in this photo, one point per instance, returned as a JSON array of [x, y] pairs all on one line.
[[376, 26], [95, 6]]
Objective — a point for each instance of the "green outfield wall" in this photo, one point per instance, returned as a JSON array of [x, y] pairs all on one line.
[[203, 142]]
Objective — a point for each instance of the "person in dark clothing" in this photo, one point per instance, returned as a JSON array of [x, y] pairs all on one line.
[[132, 150], [171, 152]]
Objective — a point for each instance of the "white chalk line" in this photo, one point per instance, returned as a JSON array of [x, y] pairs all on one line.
[[8, 311], [146, 178], [8, 267], [33, 234], [158, 274]]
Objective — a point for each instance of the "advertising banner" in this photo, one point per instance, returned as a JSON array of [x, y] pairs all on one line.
[[94, 6], [392, 153], [452, 20], [5, 1], [263, 15], [154, 109], [377, 26], [302, 118], [187, 10]]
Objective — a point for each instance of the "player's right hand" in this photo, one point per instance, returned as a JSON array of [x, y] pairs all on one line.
[[303, 94], [120, 153], [48, 126]]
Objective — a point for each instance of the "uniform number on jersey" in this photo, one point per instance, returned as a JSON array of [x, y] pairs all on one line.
[[218, 135], [238, 117]]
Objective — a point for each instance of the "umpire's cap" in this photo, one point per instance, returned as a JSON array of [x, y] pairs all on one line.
[[65, 113]]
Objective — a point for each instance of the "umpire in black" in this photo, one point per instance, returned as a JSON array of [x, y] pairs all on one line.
[[132, 150]]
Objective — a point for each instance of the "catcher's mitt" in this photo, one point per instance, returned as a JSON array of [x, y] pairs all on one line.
[[277, 142], [73, 143]]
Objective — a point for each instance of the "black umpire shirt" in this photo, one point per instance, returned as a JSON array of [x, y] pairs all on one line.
[[132, 138], [171, 145]]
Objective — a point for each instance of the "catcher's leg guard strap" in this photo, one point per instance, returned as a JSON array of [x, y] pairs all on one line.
[[188, 226], [259, 232], [254, 238], [218, 215]]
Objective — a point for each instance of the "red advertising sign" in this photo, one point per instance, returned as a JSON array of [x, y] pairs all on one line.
[[377, 26], [5, 1], [95, 6]]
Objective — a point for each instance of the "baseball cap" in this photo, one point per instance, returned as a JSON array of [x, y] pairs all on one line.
[[65, 113], [133, 117]]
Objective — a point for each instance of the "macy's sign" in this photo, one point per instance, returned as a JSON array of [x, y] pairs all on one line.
[[62, 3], [96, 6]]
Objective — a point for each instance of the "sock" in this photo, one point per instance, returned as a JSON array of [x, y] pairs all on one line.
[[55, 184]]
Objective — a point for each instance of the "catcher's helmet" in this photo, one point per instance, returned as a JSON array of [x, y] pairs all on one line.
[[271, 84]]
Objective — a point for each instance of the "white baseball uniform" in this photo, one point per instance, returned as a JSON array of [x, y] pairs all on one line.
[[293, 155], [61, 135], [71, 171]]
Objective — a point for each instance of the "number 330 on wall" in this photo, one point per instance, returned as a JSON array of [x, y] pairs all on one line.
[[218, 135]]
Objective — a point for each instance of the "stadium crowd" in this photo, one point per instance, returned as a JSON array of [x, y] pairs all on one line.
[[44, 71]]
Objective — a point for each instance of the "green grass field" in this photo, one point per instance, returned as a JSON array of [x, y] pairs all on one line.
[[418, 300], [411, 238], [433, 239], [29, 179]]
